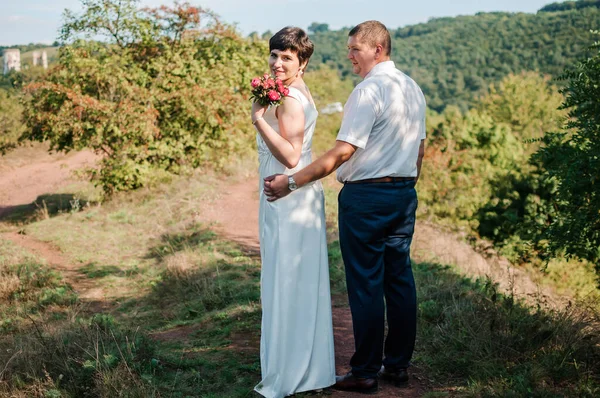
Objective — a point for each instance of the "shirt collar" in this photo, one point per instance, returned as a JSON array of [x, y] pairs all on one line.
[[381, 67]]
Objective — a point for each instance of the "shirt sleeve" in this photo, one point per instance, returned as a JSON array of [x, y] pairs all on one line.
[[359, 118]]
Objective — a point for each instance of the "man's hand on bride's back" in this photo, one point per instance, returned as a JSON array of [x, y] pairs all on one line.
[[276, 187]]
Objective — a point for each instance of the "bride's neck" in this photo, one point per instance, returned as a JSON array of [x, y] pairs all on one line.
[[296, 82]]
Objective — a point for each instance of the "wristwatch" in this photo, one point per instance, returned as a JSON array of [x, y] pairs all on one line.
[[292, 186]]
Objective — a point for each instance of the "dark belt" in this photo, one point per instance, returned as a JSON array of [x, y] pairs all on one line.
[[381, 179]]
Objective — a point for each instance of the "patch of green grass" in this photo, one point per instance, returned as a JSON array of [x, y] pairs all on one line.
[[210, 362], [194, 237], [202, 275], [28, 287], [494, 345], [131, 229], [214, 373], [337, 275], [214, 287], [572, 277], [93, 270], [205, 318], [84, 357], [48, 350]]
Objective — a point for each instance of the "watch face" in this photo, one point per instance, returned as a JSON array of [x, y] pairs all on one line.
[[292, 184]]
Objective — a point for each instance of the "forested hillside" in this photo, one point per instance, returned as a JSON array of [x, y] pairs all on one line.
[[455, 60], [570, 5]]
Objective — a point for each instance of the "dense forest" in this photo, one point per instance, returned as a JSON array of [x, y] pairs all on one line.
[[455, 60], [570, 5]]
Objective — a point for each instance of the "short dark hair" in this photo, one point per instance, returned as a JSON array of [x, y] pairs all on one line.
[[294, 39], [374, 33]]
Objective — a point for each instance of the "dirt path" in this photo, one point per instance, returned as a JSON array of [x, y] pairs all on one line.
[[235, 213], [344, 348], [92, 296], [23, 183], [433, 244], [29, 172]]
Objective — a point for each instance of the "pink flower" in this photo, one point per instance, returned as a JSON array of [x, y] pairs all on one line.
[[270, 83], [274, 95], [265, 76], [255, 82], [286, 91]]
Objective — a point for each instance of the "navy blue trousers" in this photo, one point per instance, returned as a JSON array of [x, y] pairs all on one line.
[[376, 224]]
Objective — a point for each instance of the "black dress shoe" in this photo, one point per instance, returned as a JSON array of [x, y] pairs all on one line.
[[356, 384], [398, 376]]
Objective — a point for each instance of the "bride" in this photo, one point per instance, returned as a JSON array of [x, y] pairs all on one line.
[[296, 347]]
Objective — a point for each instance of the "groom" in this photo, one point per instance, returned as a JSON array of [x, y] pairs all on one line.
[[378, 155]]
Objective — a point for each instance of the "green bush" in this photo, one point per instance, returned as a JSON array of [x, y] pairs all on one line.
[[169, 91], [571, 160], [479, 173], [11, 126]]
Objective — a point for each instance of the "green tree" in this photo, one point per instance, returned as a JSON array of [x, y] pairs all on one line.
[[11, 126], [479, 174], [571, 158], [526, 102], [317, 27], [266, 35], [326, 85], [465, 153], [168, 90]]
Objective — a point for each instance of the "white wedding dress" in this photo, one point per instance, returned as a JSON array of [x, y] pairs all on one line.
[[296, 346]]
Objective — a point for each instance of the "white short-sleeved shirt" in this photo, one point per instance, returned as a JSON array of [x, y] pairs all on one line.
[[385, 119]]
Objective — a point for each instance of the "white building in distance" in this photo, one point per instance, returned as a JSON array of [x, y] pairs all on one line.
[[40, 58], [12, 60]]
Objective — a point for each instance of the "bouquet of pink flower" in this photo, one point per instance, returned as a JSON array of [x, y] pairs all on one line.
[[268, 90]]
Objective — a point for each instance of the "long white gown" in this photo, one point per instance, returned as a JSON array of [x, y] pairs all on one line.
[[296, 346]]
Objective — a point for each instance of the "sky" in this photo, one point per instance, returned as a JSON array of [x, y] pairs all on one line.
[[38, 21]]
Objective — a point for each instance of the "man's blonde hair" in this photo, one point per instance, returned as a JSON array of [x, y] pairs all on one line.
[[374, 33]]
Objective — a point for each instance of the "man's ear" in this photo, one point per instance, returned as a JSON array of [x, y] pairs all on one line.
[[378, 51]]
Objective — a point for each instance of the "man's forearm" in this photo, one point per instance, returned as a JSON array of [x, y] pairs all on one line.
[[420, 159], [326, 164]]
